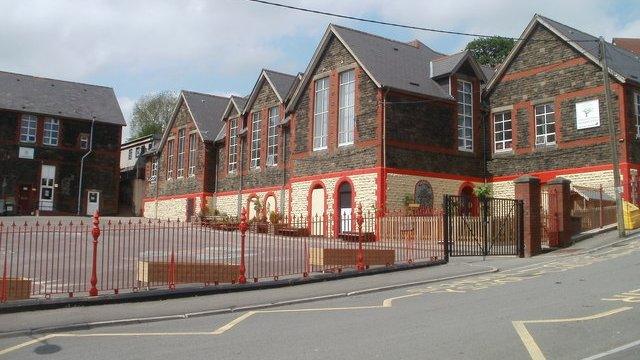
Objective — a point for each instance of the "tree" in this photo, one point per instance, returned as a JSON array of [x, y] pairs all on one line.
[[151, 113], [490, 50]]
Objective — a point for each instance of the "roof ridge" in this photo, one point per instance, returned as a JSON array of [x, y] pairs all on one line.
[[382, 37], [278, 72], [59, 80], [210, 95], [448, 56]]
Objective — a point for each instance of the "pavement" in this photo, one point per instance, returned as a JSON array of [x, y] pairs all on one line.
[[41, 321]]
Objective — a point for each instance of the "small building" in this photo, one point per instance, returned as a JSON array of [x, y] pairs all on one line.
[[60, 146], [132, 173]]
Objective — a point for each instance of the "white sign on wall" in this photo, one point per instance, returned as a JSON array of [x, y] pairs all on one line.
[[25, 153], [587, 114]]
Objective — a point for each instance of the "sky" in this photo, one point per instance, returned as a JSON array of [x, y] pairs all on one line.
[[220, 46]]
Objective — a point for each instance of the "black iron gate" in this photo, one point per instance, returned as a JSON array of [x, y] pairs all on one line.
[[482, 227]]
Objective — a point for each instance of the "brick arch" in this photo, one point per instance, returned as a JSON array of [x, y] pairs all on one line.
[[249, 198], [336, 202], [316, 184], [275, 202]]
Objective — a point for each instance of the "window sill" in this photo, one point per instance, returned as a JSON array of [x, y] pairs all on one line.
[[470, 151], [320, 149]]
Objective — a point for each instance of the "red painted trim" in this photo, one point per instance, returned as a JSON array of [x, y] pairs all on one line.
[[537, 70], [465, 184], [275, 202], [316, 185], [336, 203]]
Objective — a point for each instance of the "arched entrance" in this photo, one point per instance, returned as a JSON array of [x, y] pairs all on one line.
[[469, 206], [270, 205], [423, 195], [317, 209], [345, 207], [251, 204]]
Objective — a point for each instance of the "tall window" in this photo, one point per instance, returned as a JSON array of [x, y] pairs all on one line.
[[545, 124], [130, 156], [193, 148], [169, 159], [138, 151], [154, 170], [51, 131], [637, 100], [465, 116], [84, 143], [28, 128], [233, 144], [346, 117], [180, 165], [502, 131], [255, 140], [320, 114], [272, 136]]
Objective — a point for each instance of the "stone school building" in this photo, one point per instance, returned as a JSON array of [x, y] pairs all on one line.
[[381, 122]]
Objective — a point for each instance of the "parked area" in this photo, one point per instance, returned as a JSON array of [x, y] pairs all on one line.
[[55, 259]]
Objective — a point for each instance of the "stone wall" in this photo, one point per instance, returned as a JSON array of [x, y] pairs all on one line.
[[400, 185]]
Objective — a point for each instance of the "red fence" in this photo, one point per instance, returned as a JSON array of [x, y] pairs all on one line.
[[57, 259]]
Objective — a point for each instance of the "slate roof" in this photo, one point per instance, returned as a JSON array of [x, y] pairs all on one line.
[[446, 64], [623, 64], [281, 82], [392, 63], [206, 111], [60, 98], [622, 61]]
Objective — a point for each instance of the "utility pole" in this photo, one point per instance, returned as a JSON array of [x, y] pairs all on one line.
[[613, 139]]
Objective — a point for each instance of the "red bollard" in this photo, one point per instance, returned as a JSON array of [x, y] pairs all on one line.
[[243, 227], [172, 272], [95, 232], [360, 260]]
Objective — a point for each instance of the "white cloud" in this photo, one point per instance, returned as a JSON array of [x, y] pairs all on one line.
[[173, 40]]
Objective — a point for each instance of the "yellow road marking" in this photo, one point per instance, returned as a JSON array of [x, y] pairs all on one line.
[[233, 323], [530, 344]]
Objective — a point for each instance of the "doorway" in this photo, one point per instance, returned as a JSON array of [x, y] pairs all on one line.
[[317, 211], [47, 180], [345, 207], [93, 202], [26, 199]]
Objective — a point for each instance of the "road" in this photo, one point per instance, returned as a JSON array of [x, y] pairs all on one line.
[[574, 306]]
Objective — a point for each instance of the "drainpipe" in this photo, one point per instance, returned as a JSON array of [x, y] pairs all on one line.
[[284, 169], [384, 150], [93, 120]]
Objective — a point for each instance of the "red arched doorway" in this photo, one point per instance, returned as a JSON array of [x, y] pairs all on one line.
[[469, 203]]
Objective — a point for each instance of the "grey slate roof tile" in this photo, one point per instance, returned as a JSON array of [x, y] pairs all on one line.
[[206, 111], [282, 82], [60, 98], [393, 63]]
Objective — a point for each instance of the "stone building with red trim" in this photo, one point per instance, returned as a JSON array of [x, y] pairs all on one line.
[[548, 111], [181, 170]]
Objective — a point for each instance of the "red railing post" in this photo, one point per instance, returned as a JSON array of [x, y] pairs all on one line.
[[601, 210], [3, 289], [95, 232], [360, 259], [243, 227], [172, 272]]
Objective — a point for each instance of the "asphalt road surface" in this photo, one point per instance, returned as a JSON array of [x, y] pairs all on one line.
[[584, 306]]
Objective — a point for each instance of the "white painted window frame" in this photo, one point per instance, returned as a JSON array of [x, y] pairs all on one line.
[[467, 140], [346, 108], [193, 151], [28, 128], [502, 131], [51, 131], [272, 136], [256, 123], [233, 145], [542, 120], [321, 114], [180, 162]]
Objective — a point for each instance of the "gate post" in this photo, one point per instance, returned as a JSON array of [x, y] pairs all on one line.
[[527, 189], [360, 257], [95, 232], [562, 210], [445, 227]]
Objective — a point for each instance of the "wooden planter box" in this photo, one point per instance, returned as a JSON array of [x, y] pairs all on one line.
[[348, 257], [291, 231], [352, 236], [17, 288], [187, 272]]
